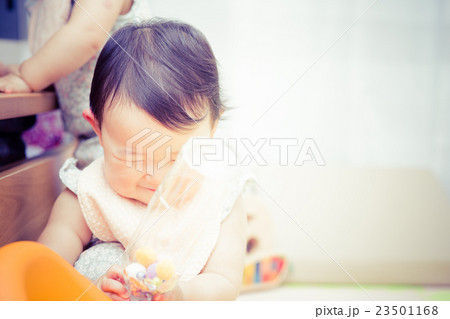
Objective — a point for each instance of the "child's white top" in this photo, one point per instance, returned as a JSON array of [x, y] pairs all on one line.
[[187, 239]]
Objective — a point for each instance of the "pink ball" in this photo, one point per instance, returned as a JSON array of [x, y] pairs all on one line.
[[151, 271]]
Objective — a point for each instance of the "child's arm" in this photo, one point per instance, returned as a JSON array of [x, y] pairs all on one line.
[[222, 276], [69, 48], [66, 231]]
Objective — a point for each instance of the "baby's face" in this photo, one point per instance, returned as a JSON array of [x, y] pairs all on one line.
[[138, 176]]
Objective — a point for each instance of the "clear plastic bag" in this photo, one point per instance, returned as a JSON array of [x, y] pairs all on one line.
[[180, 226]]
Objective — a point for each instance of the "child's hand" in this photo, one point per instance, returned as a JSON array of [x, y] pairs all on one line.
[[178, 190], [7, 69], [12, 83], [113, 284], [3, 69]]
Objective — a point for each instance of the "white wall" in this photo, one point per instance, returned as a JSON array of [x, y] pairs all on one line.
[[12, 52], [378, 97]]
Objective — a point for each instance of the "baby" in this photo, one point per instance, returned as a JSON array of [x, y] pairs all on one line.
[[159, 76]]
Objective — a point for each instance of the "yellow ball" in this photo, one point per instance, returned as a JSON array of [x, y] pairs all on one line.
[[157, 281], [168, 285], [165, 269], [145, 256]]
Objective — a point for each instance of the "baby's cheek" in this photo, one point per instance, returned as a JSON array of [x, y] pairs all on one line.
[[122, 180]]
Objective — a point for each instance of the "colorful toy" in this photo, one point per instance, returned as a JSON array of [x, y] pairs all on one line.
[[264, 272], [264, 267], [150, 278]]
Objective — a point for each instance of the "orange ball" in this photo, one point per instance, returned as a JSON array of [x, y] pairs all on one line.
[[145, 256], [165, 269]]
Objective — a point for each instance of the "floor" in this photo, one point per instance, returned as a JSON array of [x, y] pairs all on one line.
[[307, 292]]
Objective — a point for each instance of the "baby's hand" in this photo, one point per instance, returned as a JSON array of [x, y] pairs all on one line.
[[13, 83], [113, 284], [3, 69], [178, 190]]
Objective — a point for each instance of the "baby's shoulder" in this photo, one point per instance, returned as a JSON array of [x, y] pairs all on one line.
[[70, 174]]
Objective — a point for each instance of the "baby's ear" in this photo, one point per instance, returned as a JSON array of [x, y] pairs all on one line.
[[214, 128], [89, 116]]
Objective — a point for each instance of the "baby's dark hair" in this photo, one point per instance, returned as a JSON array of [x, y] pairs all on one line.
[[165, 67]]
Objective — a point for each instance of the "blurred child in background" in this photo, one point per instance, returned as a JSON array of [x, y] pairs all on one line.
[[65, 38]]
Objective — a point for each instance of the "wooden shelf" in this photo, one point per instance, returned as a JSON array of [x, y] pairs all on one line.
[[28, 190], [23, 104]]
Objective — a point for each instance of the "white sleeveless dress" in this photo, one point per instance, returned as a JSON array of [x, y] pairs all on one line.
[[187, 239]]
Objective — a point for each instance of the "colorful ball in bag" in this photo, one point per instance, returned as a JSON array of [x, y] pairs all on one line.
[[156, 281], [132, 270], [165, 269], [137, 287], [145, 256], [141, 275], [150, 285], [167, 285], [151, 271]]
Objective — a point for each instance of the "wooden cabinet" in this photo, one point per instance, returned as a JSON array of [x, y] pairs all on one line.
[[28, 188]]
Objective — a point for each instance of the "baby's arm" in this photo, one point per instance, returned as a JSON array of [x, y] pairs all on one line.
[[222, 276], [69, 48], [66, 231]]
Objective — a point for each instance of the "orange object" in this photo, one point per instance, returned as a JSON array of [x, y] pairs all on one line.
[[32, 271], [135, 284], [145, 256], [165, 269]]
